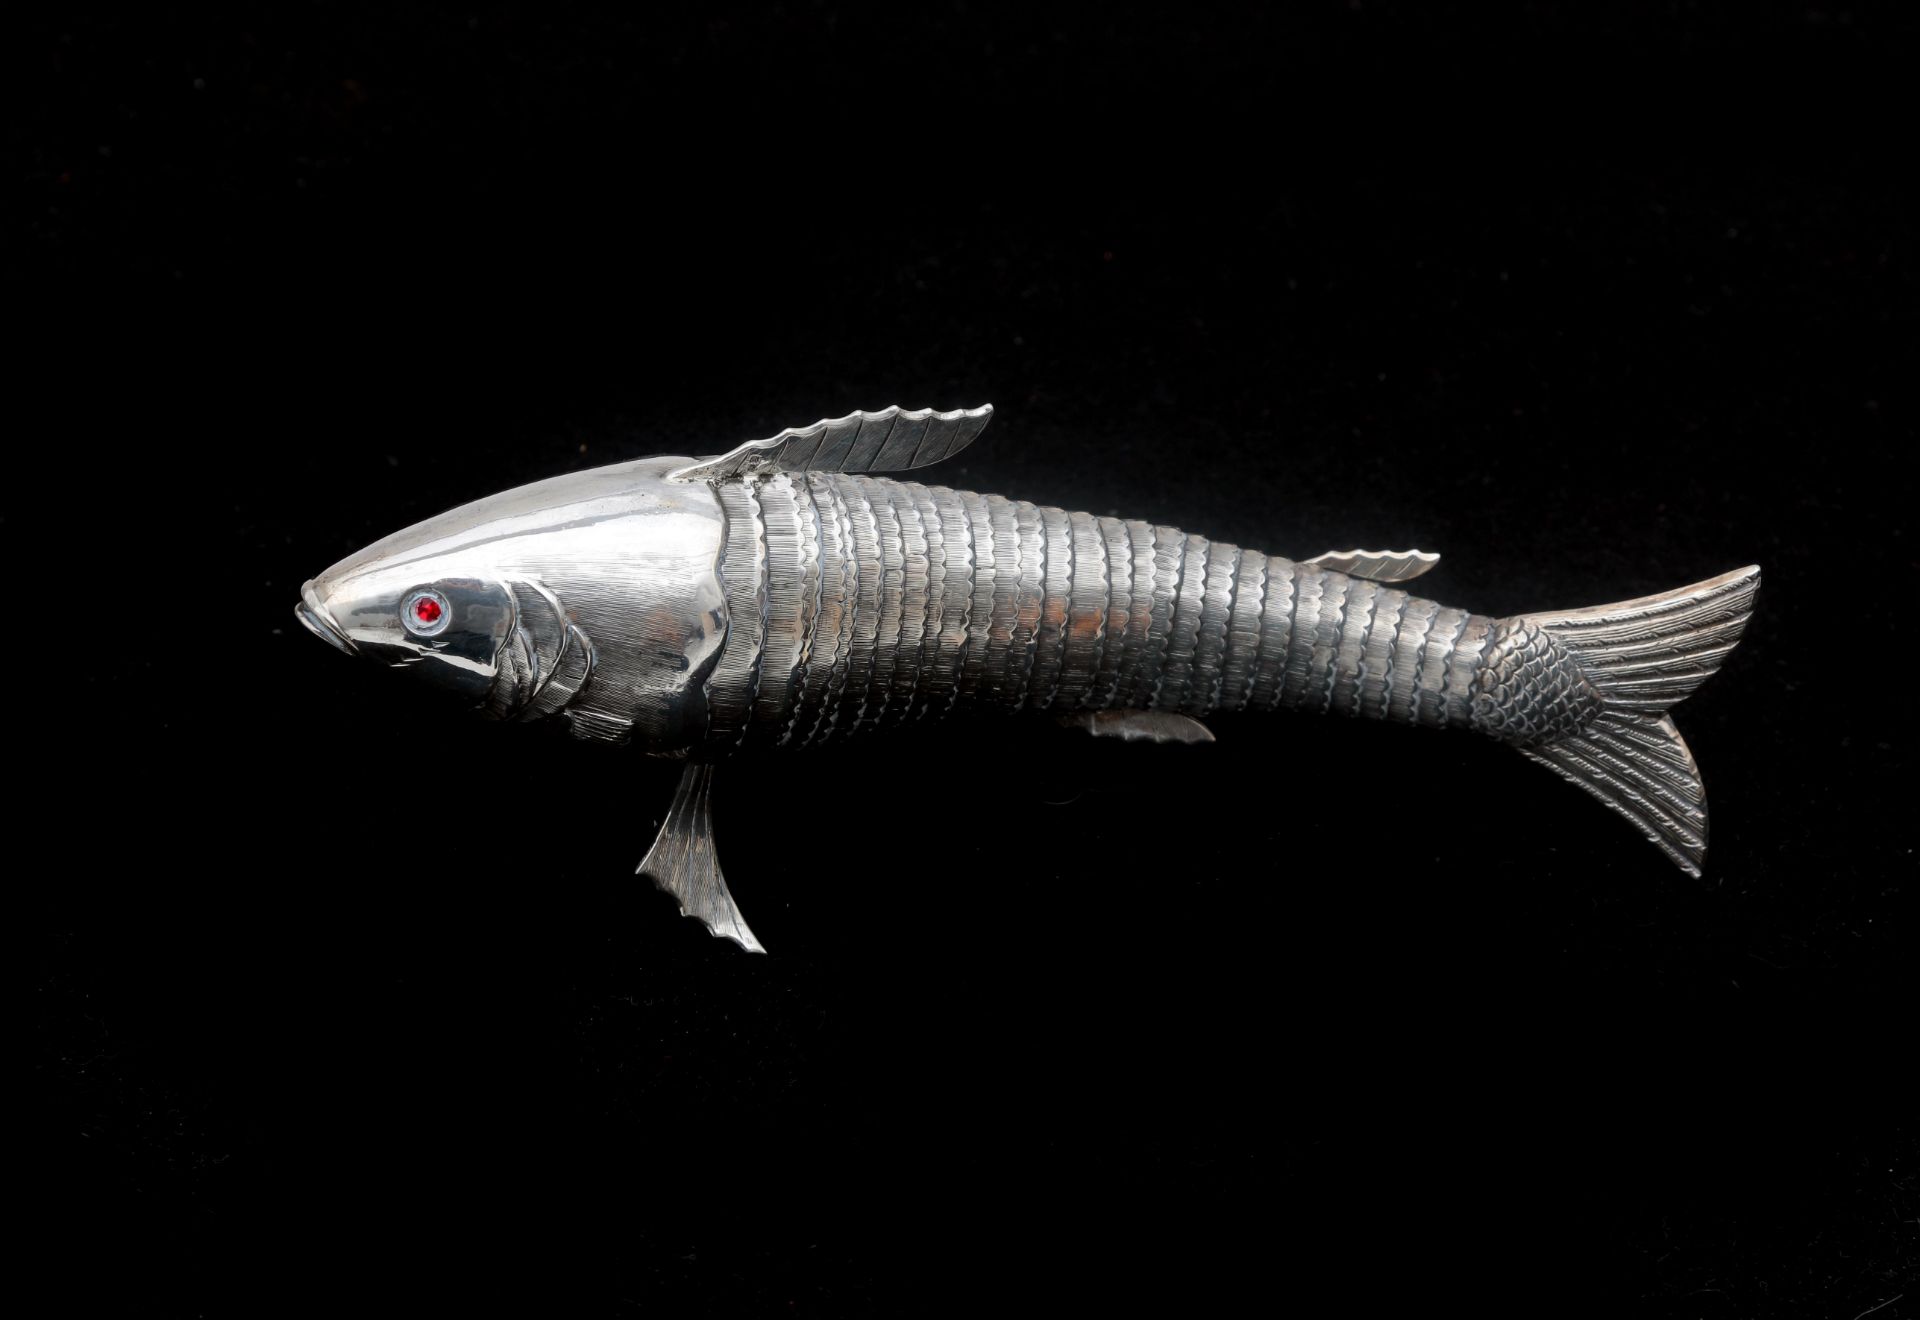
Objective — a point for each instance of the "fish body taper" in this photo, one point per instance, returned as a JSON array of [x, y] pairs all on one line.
[[775, 596]]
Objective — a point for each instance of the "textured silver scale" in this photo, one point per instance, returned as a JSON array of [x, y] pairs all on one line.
[[778, 595]]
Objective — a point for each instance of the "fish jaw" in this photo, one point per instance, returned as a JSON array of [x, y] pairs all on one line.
[[318, 620]]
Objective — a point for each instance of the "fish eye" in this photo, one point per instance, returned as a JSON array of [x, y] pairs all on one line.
[[425, 613]]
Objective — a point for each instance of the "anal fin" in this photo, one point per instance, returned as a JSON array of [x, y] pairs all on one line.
[[1132, 725], [682, 861]]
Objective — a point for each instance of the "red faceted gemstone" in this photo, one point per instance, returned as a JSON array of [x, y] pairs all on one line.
[[426, 609]]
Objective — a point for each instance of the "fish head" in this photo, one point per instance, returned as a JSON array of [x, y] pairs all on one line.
[[442, 618], [597, 593]]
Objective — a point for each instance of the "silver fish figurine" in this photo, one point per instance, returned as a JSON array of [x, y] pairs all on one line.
[[778, 595]]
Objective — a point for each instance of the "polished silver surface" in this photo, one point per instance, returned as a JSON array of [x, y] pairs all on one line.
[[774, 596], [595, 595]]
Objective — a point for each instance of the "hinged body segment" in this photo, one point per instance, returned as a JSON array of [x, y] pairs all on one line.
[[858, 602]]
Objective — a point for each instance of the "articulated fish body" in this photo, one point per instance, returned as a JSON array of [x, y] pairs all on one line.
[[775, 597]]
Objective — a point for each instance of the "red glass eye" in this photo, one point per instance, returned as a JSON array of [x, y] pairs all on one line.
[[426, 613]]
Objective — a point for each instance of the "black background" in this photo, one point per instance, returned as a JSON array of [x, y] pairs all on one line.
[[341, 999]]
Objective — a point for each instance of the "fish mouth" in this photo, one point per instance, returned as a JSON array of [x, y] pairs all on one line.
[[318, 621]]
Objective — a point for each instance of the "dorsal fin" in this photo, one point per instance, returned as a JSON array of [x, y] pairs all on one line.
[[891, 440], [1377, 565]]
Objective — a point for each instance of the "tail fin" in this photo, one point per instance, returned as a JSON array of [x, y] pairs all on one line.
[[1642, 656]]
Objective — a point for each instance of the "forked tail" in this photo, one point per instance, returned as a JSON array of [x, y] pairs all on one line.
[[1600, 720]]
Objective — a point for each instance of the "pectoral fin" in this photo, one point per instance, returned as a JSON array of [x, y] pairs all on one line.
[[1377, 565], [1153, 725], [682, 861]]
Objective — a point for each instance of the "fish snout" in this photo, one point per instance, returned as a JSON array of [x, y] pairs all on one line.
[[313, 612]]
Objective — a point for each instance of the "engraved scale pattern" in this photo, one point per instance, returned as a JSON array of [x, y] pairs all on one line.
[[1344, 688], [1376, 651], [1087, 607], [1276, 632], [952, 577], [893, 605], [1169, 559], [1144, 539], [791, 573], [980, 613], [1210, 645], [833, 621], [864, 604], [1003, 617], [861, 601], [1117, 556], [1403, 686], [1056, 580], [916, 600], [1243, 630], [1309, 585], [736, 676], [1322, 672]]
